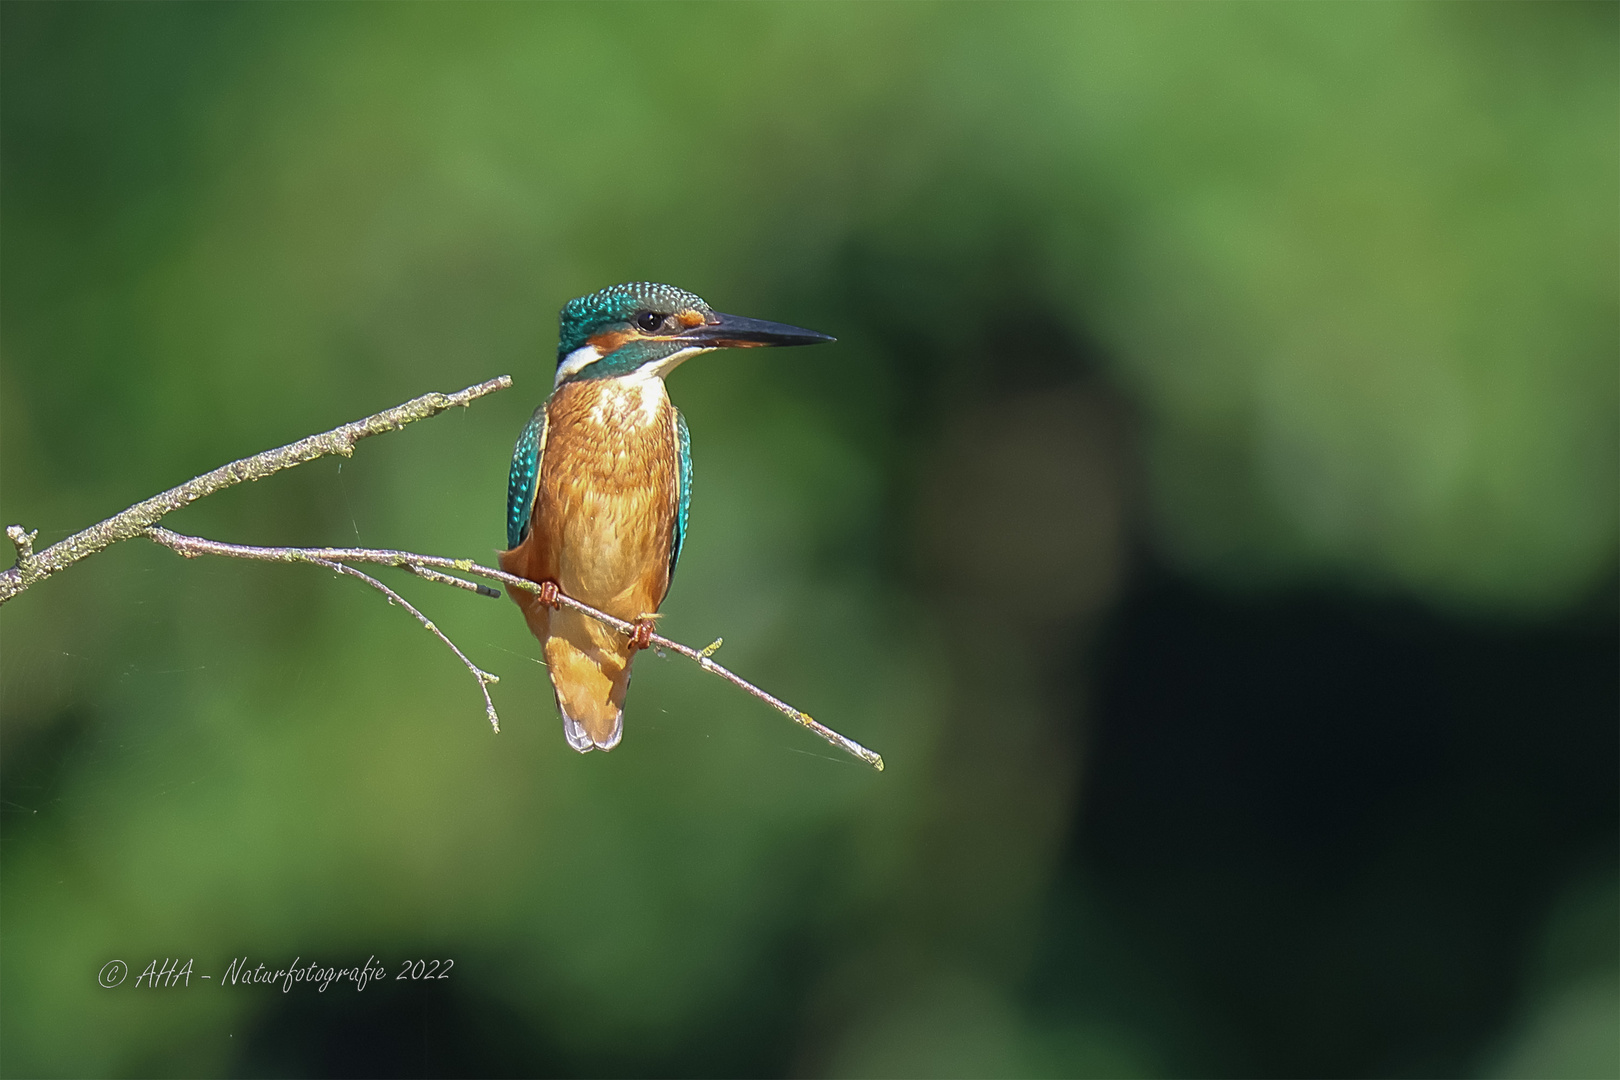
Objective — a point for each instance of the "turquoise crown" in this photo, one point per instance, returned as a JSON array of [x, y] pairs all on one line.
[[617, 305]]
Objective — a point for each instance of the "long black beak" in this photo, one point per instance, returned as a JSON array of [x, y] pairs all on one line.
[[736, 332]]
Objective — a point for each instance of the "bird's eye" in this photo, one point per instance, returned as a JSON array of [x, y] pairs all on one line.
[[649, 320]]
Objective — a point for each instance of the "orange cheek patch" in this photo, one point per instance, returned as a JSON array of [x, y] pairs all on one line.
[[690, 318], [610, 340]]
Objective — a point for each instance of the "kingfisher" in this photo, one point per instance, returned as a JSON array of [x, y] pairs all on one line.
[[601, 484]]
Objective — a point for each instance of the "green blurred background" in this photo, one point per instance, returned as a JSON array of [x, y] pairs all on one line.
[[1209, 511]]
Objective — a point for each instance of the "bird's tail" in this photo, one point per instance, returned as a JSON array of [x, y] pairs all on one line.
[[590, 671]]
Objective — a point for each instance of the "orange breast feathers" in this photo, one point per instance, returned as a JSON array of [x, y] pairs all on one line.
[[601, 528]]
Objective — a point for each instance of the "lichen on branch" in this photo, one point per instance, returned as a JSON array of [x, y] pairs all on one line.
[[142, 520]]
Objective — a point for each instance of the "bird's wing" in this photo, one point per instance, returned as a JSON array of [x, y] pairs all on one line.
[[520, 488], [683, 489]]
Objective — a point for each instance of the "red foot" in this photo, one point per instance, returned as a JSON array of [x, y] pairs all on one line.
[[548, 595], [642, 637]]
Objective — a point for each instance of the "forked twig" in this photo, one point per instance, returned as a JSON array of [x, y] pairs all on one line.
[[193, 546], [484, 678], [142, 518]]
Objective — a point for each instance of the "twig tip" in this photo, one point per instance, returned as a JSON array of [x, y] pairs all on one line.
[[23, 541]]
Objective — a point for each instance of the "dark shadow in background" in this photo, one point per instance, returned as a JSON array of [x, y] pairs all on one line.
[[1328, 826], [1317, 830], [1317, 834]]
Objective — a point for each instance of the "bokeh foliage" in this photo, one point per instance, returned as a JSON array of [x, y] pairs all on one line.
[[1282, 296]]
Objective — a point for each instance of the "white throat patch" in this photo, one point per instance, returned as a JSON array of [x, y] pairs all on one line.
[[669, 363], [586, 355], [633, 400], [575, 362]]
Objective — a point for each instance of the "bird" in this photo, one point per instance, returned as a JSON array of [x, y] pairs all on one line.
[[601, 486]]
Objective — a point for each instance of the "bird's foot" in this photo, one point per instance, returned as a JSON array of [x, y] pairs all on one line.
[[548, 595], [641, 637]]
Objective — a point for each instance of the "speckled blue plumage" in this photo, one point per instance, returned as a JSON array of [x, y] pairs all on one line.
[[525, 472], [683, 502]]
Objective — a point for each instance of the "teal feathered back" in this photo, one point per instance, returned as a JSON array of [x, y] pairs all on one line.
[[683, 448], [525, 473]]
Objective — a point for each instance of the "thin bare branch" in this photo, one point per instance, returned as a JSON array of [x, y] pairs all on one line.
[[450, 579], [142, 518], [193, 546], [484, 678], [32, 568]]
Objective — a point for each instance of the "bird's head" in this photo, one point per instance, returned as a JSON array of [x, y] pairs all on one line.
[[645, 327]]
